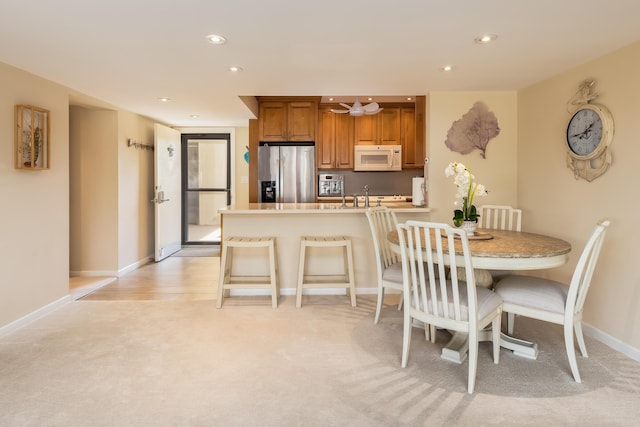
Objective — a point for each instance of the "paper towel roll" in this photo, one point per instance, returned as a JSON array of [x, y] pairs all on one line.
[[418, 191]]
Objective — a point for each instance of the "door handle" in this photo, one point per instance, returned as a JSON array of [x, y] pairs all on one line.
[[159, 198]]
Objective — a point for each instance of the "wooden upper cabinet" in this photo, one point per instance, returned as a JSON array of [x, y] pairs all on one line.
[[287, 121], [272, 122], [344, 141], [334, 145], [379, 129], [302, 117], [326, 141], [366, 130], [412, 150], [389, 125], [414, 144]]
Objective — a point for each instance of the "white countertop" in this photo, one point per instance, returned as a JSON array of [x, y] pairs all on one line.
[[315, 208]]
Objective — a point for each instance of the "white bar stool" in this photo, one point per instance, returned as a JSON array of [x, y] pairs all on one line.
[[227, 281], [345, 280]]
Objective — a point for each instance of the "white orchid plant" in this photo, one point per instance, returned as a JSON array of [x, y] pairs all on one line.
[[468, 190]]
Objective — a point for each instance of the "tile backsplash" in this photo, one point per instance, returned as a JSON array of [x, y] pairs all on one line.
[[380, 183]]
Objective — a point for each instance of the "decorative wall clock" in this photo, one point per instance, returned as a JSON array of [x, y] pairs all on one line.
[[589, 134]]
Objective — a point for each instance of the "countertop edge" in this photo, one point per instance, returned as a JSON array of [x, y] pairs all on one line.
[[312, 208]]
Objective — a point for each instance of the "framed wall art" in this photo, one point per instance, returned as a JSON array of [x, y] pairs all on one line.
[[31, 138]]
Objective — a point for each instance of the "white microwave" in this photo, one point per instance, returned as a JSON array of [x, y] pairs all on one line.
[[378, 158]]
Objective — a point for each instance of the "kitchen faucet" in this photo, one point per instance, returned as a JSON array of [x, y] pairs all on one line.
[[366, 196], [355, 200]]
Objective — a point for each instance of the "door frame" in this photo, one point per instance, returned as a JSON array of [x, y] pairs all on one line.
[[184, 146]]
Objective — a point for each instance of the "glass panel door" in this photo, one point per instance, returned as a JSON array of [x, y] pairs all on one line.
[[206, 186]]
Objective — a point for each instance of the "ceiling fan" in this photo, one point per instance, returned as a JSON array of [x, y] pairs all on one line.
[[358, 109]]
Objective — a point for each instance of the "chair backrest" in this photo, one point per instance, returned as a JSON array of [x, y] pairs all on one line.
[[381, 221], [431, 297], [583, 273], [500, 217]]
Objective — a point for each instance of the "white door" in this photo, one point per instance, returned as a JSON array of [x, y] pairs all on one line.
[[167, 199]]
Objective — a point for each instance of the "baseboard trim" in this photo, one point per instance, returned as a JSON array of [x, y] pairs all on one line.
[[134, 266], [33, 316], [113, 273], [612, 342], [93, 273]]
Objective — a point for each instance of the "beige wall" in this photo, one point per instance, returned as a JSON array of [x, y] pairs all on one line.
[[135, 191], [111, 223], [556, 203], [93, 191], [241, 180], [34, 210], [498, 171]]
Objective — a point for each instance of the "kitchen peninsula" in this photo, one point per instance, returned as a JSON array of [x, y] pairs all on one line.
[[287, 222]]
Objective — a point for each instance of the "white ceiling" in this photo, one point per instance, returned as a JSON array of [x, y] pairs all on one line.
[[129, 53]]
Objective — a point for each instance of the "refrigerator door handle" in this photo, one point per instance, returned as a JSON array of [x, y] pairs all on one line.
[[281, 182]]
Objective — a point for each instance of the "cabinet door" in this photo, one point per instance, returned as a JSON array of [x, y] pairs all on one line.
[[302, 121], [344, 141], [389, 126], [273, 121], [326, 141], [366, 130], [412, 150]]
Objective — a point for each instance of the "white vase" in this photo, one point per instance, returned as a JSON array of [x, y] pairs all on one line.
[[469, 227]]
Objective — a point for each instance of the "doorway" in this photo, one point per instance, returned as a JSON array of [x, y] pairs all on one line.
[[206, 186]]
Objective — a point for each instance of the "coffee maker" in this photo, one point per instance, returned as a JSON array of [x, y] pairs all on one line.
[[330, 185]]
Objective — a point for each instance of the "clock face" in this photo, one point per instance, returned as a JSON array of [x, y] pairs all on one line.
[[584, 132]]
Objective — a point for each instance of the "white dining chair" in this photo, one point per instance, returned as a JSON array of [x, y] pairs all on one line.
[[500, 217], [451, 304], [389, 268], [555, 302]]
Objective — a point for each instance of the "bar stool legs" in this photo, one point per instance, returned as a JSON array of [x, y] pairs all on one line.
[[323, 281], [227, 281]]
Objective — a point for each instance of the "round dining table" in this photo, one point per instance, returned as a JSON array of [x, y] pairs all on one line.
[[509, 250], [503, 250]]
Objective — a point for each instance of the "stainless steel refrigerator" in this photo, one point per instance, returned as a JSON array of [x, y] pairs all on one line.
[[286, 172]]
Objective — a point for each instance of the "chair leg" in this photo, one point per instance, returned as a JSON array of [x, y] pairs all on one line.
[[273, 273], [222, 276], [571, 351], [303, 248], [432, 333], [495, 332], [511, 319], [473, 360], [350, 275], [379, 303], [401, 301], [580, 338], [406, 338]]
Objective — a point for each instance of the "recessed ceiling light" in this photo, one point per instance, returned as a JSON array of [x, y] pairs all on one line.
[[409, 98], [235, 69], [485, 38], [447, 68], [216, 39], [194, 116], [369, 99], [330, 99], [164, 99]]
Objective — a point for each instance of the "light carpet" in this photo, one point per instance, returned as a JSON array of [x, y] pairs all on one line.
[[186, 363]]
